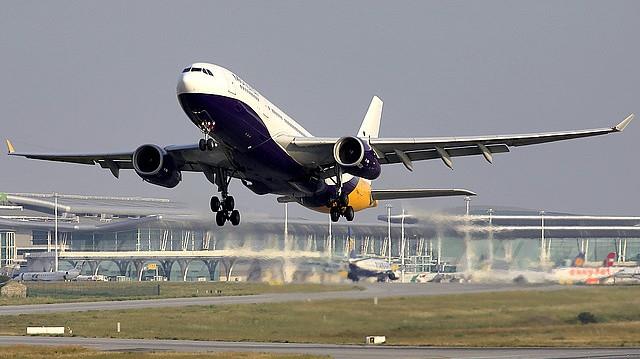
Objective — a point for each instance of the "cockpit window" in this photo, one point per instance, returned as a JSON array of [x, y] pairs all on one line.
[[196, 69], [208, 72], [186, 70]]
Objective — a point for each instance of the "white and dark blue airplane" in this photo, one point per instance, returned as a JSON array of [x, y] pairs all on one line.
[[244, 136], [57, 276]]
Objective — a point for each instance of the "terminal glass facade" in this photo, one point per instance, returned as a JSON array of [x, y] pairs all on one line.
[[8, 251]]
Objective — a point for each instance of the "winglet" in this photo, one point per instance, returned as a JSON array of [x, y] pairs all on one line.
[[10, 147], [621, 126]]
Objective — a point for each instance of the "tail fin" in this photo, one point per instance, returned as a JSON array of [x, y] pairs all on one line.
[[370, 127], [610, 260], [578, 261], [79, 265]]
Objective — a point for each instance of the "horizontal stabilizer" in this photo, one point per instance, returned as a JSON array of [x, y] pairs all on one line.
[[385, 194]]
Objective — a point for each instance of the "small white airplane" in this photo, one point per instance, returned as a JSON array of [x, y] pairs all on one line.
[[245, 136], [57, 276]]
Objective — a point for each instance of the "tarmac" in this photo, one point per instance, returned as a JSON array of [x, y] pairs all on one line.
[[335, 351]]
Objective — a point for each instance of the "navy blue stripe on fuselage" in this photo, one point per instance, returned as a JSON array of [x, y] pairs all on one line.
[[239, 127]]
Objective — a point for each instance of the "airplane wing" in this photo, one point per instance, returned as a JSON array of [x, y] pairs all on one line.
[[407, 150], [186, 157], [386, 194]]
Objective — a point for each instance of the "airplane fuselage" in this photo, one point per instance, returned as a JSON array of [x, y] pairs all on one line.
[[48, 276], [253, 131]]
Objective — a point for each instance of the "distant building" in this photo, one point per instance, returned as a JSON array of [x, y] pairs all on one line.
[[127, 237]]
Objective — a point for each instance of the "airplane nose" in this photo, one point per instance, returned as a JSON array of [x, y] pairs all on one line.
[[187, 83]]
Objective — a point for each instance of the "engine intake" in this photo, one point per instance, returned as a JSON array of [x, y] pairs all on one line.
[[348, 151], [356, 157], [154, 165]]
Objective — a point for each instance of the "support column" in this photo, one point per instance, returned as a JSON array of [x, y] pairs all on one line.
[[184, 268], [212, 265]]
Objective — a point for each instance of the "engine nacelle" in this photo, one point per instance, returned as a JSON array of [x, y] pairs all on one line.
[[356, 157], [154, 165]]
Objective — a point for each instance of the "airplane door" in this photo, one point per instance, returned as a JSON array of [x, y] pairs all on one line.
[[232, 83]]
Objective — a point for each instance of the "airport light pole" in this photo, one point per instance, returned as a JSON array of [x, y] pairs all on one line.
[[491, 237], [389, 232], [402, 244], [542, 241], [467, 201], [55, 213]]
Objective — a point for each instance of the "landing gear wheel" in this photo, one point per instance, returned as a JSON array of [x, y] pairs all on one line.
[[221, 217], [335, 214], [234, 218], [229, 203], [348, 213], [215, 204], [202, 144], [210, 144]]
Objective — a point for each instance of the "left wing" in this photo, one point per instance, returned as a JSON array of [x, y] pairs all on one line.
[[407, 150], [186, 157]]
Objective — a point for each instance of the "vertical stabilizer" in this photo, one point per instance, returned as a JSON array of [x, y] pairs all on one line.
[[610, 261], [370, 127]]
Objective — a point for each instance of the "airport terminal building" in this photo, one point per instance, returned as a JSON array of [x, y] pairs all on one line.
[[127, 237]]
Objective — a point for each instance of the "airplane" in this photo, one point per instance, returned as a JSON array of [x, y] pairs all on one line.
[[609, 271], [246, 137], [367, 267], [56, 276]]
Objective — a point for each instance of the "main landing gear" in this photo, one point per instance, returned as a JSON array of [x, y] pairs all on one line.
[[340, 206], [224, 208]]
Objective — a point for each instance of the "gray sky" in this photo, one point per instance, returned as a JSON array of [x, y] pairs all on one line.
[[91, 77]]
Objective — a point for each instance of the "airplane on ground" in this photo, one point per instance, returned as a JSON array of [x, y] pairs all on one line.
[[61, 275], [368, 267], [244, 136], [609, 271]]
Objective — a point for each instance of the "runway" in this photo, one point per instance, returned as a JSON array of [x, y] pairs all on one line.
[[382, 290], [335, 351]]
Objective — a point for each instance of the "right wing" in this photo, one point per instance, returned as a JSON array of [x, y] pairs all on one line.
[[317, 151], [386, 194], [186, 157]]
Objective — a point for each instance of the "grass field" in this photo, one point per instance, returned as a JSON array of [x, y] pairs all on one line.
[[521, 318], [93, 291], [35, 352]]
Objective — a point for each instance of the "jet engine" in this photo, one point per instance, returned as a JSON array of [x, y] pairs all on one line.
[[356, 157], [156, 166]]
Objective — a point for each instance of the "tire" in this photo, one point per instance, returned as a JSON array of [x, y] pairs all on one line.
[[215, 204], [221, 218], [335, 214], [202, 144], [210, 144], [229, 203], [348, 213], [234, 218]]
